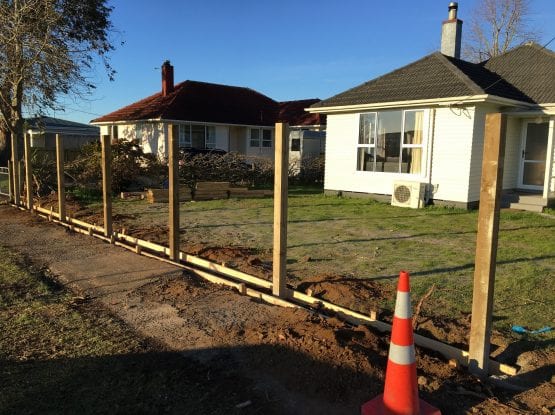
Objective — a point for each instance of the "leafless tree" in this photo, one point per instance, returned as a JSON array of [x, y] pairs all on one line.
[[497, 26], [47, 49]]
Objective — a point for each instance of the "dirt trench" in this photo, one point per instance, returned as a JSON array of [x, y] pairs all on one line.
[[299, 362]]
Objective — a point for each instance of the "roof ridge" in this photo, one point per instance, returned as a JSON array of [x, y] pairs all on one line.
[[458, 72], [532, 44]]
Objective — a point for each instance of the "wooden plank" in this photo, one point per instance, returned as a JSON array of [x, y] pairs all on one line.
[[213, 185], [106, 145], [173, 182], [209, 265], [60, 173], [449, 352], [280, 210], [28, 172], [486, 243]]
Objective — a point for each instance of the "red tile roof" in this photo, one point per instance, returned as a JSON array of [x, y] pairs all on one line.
[[293, 112], [213, 103]]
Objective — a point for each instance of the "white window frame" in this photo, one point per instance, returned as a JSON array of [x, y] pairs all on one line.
[[402, 145], [370, 145], [261, 142], [186, 135], [420, 146]]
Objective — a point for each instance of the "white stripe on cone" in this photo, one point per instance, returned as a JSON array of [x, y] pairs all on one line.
[[402, 355], [402, 305]]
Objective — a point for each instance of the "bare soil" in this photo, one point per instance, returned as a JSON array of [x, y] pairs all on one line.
[[298, 361]]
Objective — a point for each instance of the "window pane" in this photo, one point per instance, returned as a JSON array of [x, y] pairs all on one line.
[[266, 138], [412, 160], [139, 127], [365, 159], [413, 127], [367, 128], [388, 143], [197, 136], [255, 137], [296, 144], [185, 135], [210, 137]]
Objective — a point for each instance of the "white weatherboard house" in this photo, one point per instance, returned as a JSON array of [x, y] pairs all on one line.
[[208, 116], [423, 124]]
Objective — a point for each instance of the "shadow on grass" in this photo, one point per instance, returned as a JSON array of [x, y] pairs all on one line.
[[447, 270], [275, 379], [269, 379]]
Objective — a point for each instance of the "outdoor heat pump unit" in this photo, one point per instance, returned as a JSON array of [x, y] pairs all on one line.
[[408, 194]]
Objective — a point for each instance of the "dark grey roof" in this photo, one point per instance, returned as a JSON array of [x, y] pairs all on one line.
[[440, 76], [58, 125], [529, 68]]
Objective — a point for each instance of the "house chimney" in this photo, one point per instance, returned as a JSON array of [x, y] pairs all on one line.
[[167, 78], [451, 32]]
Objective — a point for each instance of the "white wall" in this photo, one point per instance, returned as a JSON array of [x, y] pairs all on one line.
[[511, 166], [341, 150], [452, 153]]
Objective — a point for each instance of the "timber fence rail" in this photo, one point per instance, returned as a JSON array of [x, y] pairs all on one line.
[[275, 292]]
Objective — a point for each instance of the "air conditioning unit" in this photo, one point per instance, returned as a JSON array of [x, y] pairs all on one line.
[[408, 194]]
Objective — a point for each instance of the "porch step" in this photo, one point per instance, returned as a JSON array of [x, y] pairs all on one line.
[[530, 207], [532, 200]]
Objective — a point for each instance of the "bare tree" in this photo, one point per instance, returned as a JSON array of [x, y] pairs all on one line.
[[47, 48], [497, 26]]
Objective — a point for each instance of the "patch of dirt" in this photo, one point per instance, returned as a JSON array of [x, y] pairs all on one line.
[[298, 360], [242, 258], [357, 294]]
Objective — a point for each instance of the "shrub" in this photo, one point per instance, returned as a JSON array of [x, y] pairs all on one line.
[[229, 167], [44, 173], [129, 162], [312, 170]]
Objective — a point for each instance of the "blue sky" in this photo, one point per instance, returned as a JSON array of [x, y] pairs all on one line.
[[286, 50]]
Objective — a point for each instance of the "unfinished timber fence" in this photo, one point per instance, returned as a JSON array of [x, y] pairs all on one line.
[[277, 291]]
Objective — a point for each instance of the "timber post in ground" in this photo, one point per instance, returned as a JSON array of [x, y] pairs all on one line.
[[15, 171], [173, 192], [106, 145], [281, 161], [486, 242], [60, 173], [28, 172]]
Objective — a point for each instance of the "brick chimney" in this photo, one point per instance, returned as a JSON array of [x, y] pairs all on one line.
[[167, 78], [451, 33]]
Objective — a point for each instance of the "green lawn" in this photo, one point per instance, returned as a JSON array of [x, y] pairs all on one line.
[[360, 238]]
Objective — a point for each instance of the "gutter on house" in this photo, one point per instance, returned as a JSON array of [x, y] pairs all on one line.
[[449, 101]]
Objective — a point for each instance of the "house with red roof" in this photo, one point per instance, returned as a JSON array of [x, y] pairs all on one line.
[[208, 116], [417, 134]]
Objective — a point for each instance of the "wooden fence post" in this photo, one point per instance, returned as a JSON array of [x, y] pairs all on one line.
[[486, 242], [60, 172], [28, 172], [106, 145], [15, 171], [173, 192], [281, 161], [10, 180]]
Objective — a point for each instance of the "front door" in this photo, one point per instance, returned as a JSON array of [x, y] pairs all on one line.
[[534, 154]]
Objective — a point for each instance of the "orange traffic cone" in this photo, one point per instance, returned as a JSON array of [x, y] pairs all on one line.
[[400, 395]]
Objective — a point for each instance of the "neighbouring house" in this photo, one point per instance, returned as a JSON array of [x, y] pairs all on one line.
[[424, 124], [208, 116], [43, 131]]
